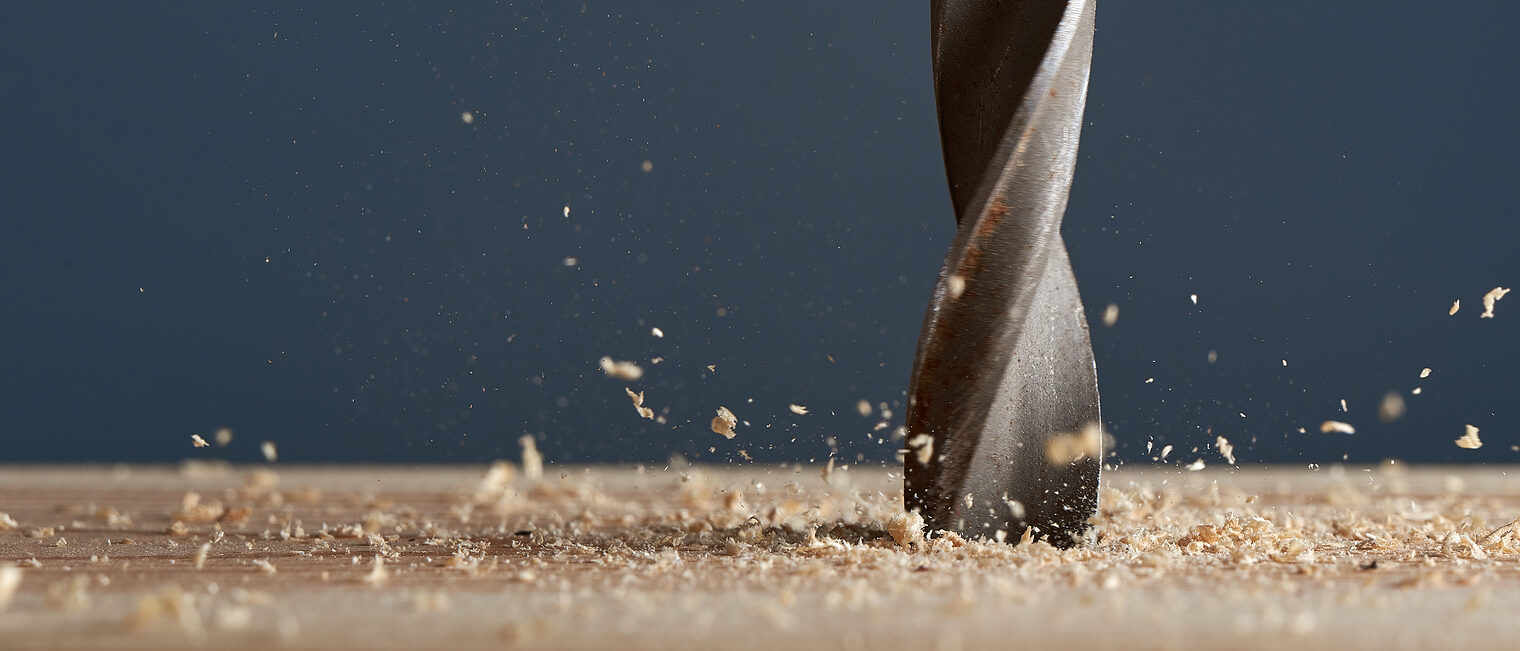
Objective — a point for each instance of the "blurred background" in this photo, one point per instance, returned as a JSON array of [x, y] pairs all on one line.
[[409, 231]]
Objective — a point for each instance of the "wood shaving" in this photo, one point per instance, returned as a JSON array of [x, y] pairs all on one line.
[[1392, 407], [1455, 305], [863, 408], [922, 447], [69, 595], [1064, 449], [1165, 450], [1226, 450], [532, 461], [658, 333], [1196, 466], [271, 454], [494, 486], [638, 403], [724, 423], [1470, 439], [1496, 535], [197, 441], [1016, 509], [1111, 315], [955, 285], [7, 523], [621, 370], [377, 573], [798, 409], [906, 528], [169, 603], [200, 556], [191, 509], [260, 484], [10, 581], [265, 567], [1489, 299], [1424, 373], [1335, 426]]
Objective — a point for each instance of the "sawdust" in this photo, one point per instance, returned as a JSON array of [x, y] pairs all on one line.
[[377, 573], [1391, 407], [1226, 450], [922, 447], [10, 581], [863, 408], [906, 528], [1068, 448], [1469, 439], [1111, 315], [841, 549], [724, 423], [621, 370], [532, 461], [638, 403], [1336, 427], [955, 285], [1490, 299]]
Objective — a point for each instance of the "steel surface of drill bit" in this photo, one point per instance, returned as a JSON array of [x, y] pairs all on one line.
[[1004, 370]]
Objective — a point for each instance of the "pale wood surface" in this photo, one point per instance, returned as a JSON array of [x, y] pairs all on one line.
[[752, 557]]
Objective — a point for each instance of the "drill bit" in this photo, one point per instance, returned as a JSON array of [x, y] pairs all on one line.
[[1004, 376]]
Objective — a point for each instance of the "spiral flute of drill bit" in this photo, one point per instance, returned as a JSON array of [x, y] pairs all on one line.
[[1004, 368]]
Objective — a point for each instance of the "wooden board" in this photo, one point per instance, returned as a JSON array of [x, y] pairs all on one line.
[[754, 557]]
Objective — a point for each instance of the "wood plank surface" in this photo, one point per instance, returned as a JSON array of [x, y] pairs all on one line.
[[755, 557]]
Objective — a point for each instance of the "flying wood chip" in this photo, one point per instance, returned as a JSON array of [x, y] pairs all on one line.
[[724, 423], [1489, 299], [638, 403]]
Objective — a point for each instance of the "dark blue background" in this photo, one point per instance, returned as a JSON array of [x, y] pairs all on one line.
[[275, 220]]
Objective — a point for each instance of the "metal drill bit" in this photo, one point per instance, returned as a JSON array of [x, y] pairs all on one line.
[[1004, 364]]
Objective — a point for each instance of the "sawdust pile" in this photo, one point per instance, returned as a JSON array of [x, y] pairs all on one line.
[[809, 551]]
